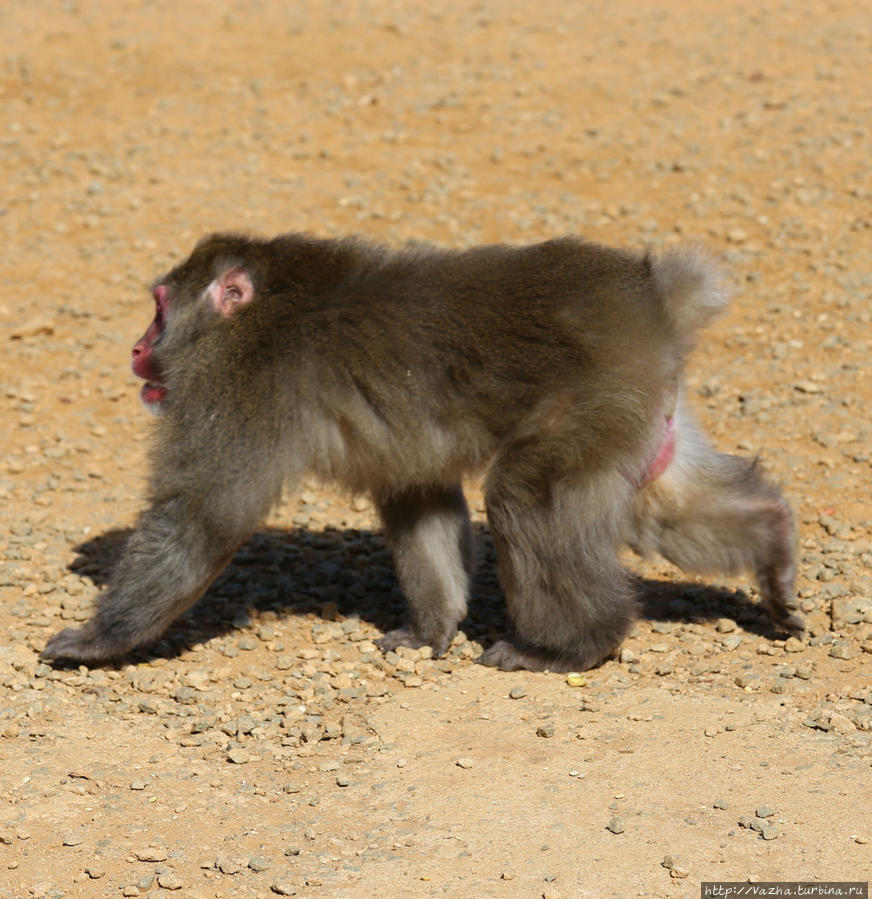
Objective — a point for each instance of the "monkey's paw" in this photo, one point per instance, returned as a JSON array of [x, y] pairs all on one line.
[[406, 636], [791, 622], [75, 644], [785, 613], [507, 657], [401, 636]]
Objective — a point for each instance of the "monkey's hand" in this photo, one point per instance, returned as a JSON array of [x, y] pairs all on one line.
[[81, 644], [406, 636]]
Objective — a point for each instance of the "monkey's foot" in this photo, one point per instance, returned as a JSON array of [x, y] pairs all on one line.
[[787, 620], [77, 644], [406, 636], [401, 636], [508, 657]]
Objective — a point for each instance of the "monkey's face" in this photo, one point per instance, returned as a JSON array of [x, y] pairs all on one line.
[[190, 302], [145, 366]]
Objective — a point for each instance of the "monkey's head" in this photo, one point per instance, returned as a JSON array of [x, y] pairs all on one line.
[[210, 286]]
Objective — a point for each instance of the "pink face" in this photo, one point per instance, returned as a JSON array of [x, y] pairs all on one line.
[[154, 391]]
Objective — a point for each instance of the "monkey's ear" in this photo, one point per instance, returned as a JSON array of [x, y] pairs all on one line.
[[231, 290]]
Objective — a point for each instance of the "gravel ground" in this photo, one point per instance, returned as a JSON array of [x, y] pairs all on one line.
[[266, 746]]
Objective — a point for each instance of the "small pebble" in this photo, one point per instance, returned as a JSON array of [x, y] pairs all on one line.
[[676, 868], [151, 854], [228, 865], [170, 881], [464, 763], [616, 825], [186, 695]]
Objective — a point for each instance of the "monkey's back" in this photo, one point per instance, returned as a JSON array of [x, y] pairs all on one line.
[[430, 360]]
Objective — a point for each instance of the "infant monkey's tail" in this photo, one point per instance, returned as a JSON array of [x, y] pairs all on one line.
[[692, 289]]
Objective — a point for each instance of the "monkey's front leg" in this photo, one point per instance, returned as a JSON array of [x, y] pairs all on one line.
[[166, 566], [429, 532]]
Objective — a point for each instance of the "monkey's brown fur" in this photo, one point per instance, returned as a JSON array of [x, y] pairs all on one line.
[[555, 369]]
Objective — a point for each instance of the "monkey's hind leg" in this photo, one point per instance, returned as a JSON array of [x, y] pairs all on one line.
[[569, 598], [429, 532], [713, 512]]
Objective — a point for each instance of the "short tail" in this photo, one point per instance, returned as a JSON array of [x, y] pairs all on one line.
[[692, 288]]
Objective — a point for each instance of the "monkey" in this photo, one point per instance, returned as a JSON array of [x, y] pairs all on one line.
[[554, 369]]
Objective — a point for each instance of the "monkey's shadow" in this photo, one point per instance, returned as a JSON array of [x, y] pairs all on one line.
[[341, 574]]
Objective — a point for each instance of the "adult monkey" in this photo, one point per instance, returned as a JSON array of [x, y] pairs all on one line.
[[555, 368]]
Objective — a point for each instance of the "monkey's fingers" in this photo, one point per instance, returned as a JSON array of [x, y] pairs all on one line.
[[788, 621], [406, 636], [77, 644], [508, 657]]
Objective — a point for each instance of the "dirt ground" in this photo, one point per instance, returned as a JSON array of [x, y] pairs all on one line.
[[265, 746]]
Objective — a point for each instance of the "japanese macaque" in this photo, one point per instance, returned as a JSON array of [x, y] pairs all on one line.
[[554, 369]]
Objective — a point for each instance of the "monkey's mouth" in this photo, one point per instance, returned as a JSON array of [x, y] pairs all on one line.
[[153, 395]]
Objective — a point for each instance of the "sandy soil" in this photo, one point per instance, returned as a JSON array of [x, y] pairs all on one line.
[[265, 746]]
